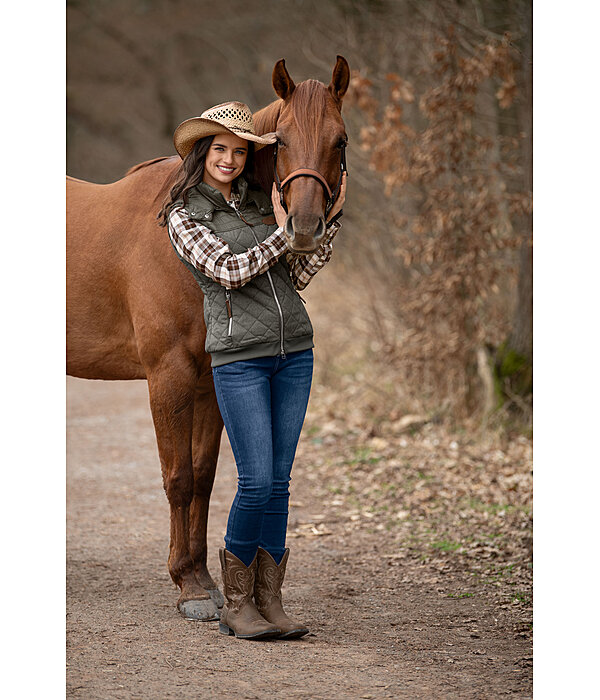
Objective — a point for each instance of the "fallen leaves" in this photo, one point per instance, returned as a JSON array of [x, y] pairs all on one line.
[[453, 503], [309, 530]]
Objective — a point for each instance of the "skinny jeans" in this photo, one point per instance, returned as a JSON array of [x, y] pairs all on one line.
[[263, 403]]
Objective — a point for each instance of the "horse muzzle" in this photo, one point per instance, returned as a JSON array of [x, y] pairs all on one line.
[[304, 232]]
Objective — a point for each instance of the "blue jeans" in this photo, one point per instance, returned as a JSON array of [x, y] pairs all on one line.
[[263, 403]]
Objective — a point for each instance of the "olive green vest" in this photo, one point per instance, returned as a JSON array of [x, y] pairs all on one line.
[[266, 316]]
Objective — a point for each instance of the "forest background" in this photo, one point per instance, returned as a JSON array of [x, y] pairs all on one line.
[[427, 306]]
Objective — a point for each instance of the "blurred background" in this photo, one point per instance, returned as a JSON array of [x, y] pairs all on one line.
[[425, 312]]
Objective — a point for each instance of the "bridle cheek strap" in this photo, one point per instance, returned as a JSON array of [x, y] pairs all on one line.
[[308, 172]]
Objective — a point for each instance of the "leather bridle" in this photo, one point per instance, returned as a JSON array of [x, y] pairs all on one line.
[[330, 196]]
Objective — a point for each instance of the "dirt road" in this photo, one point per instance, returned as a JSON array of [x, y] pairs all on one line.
[[379, 628]]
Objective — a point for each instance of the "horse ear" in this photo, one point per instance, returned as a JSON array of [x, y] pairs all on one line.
[[340, 80], [282, 83]]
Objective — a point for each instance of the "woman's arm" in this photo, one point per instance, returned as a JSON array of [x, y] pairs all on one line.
[[209, 254], [304, 267]]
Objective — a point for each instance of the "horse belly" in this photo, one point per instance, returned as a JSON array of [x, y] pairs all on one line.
[[93, 354], [101, 341]]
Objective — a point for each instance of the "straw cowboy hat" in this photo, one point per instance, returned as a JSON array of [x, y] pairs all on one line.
[[229, 117]]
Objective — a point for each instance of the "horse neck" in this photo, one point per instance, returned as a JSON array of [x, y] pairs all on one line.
[[265, 121]]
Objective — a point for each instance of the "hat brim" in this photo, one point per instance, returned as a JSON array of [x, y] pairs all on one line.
[[191, 130]]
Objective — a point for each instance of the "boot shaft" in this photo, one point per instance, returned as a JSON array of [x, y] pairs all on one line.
[[267, 594], [238, 580], [269, 578]]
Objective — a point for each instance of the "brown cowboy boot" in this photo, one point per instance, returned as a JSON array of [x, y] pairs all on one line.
[[267, 594], [239, 615]]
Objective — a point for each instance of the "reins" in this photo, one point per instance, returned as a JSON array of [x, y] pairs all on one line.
[[309, 172]]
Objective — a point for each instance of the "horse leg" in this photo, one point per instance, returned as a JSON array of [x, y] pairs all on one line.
[[172, 404], [206, 440]]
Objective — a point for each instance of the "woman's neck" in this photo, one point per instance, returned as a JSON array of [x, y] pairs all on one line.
[[223, 187]]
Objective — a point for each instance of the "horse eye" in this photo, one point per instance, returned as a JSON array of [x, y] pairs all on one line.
[[280, 142], [342, 142]]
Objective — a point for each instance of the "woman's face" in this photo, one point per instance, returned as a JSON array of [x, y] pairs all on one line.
[[225, 160]]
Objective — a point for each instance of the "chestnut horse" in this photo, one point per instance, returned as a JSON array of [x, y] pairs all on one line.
[[135, 312]]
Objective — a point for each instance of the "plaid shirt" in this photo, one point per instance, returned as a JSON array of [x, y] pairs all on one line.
[[209, 254]]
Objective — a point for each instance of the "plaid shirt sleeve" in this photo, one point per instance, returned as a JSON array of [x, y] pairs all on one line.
[[209, 254], [304, 267]]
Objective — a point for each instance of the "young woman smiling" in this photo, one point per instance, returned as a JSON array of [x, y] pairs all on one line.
[[225, 161], [230, 236]]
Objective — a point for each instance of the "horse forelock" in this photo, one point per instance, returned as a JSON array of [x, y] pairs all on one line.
[[308, 107]]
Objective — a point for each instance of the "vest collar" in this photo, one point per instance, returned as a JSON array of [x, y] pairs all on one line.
[[215, 200], [212, 195]]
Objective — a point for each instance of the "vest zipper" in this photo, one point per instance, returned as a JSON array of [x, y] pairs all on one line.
[[229, 312], [281, 337]]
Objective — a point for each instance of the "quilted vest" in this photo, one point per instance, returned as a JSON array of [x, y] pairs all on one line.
[[266, 316]]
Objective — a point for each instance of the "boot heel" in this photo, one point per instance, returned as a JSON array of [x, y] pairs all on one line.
[[224, 629]]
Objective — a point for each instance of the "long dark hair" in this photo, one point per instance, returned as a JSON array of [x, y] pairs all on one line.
[[191, 172]]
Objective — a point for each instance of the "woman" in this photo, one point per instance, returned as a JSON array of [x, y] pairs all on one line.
[[260, 340]]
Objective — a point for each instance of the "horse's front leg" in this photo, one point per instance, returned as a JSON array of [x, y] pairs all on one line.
[[206, 440], [172, 403]]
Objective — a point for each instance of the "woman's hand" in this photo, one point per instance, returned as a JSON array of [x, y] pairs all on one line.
[[278, 211], [339, 202]]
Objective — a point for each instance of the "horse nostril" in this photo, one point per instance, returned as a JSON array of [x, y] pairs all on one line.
[[304, 233], [320, 232], [289, 227]]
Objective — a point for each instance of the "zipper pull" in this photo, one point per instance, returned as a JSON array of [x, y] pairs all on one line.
[[229, 313]]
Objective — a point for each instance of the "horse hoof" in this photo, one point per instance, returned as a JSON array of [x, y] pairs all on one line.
[[204, 610], [217, 597]]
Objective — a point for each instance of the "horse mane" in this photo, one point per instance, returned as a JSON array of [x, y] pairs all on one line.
[[265, 121], [145, 164], [168, 182]]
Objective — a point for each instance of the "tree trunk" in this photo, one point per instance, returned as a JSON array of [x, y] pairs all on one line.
[[521, 339], [514, 359]]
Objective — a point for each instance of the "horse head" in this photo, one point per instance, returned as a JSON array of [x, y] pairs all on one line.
[[309, 155]]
